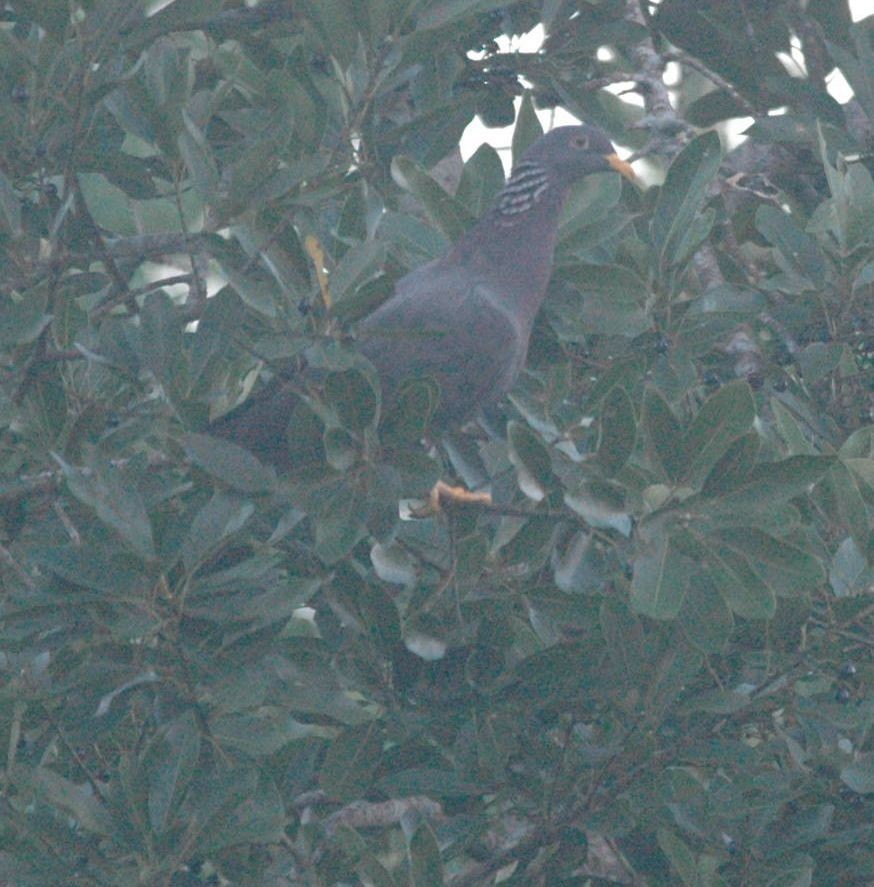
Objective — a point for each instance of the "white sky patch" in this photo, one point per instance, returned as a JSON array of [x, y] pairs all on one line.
[[837, 86], [672, 75], [501, 137], [860, 9]]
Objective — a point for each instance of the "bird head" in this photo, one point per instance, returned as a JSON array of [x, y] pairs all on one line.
[[568, 153], [552, 164]]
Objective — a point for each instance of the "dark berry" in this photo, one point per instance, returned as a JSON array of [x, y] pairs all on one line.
[[848, 670]]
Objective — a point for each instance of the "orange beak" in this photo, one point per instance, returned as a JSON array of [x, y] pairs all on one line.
[[622, 167]]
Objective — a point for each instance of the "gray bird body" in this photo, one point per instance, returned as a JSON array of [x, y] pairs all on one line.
[[442, 339], [463, 320]]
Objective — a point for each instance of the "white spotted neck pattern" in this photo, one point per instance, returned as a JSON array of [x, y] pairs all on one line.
[[524, 188]]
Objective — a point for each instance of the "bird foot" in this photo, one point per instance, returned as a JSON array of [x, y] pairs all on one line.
[[444, 495]]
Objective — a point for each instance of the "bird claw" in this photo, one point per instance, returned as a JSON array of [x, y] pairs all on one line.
[[443, 495]]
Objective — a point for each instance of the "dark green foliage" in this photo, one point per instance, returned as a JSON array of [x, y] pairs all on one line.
[[650, 657]]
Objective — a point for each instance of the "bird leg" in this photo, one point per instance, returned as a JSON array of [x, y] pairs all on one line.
[[445, 495]]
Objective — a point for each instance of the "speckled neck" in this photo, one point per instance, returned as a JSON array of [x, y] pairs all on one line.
[[513, 244]]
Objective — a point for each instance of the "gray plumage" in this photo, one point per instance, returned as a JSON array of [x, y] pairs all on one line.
[[463, 320]]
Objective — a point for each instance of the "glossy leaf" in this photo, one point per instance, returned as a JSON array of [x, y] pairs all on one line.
[[229, 463], [443, 211], [661, 576], [613, 301], [662, 433], [530, 459], [682, 197], [426, 867], [723, 417], [116, 503], [618, 431], [350, 762]]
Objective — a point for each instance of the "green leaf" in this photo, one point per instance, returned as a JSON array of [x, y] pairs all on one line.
[[590, 220], [600, 504], [229, 463], [530, 459], [76, 801], [53, 15], [800, 252], [170, 761], [734, 466], [661, 573], [360, 264], [23, 319], [671, 675], [819, 359], [342, 449], [161, 345], [414, 235], [481, 180], [262, 732], [444, 211], [339, 513], [197, 155], [682, 197], [429, 137], [169, 79], [407, 417], [850, 213], [257, 292], [115, 500], [661, 433], [852, 512], [724, 416], [791, 429], [352, 398], [740, 586], [440, 13], [241, 808], [98, 566], [771, 483], [334, 22], [680, 856], [859, 775], [10, 208], [426, 867], [618, 431], [706, 619], [777, 561], [351, 761], [527, 130], [373, 872], [849, 571], [217, 521], [624, 639], [614, 302], [383, 484]]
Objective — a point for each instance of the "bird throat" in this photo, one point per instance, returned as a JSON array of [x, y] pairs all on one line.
[[524, 188]]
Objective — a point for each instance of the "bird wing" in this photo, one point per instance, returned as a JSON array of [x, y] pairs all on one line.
[[442, 323], [445, 324]]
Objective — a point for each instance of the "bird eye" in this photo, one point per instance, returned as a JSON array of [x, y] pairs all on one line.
[[580, 142]]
